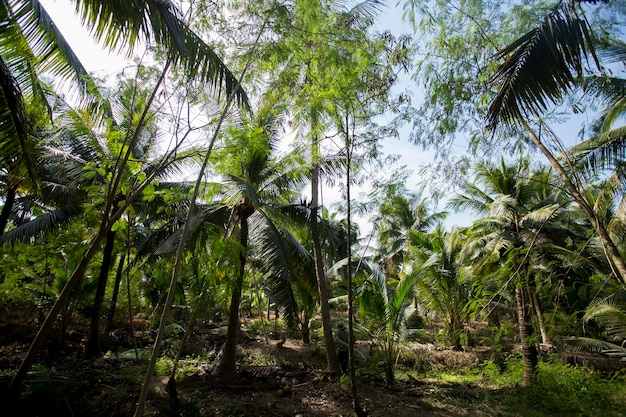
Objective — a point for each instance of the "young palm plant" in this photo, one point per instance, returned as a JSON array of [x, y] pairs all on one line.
[[442, 286], [382, 307]]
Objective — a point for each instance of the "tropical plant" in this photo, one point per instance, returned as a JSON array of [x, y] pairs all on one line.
[[400, 213], [560, 46], [255, 185], [524, 211], [381, 308], [610, 313], [442, 285]]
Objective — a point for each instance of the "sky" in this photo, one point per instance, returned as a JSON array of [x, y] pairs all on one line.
[[101, 63]]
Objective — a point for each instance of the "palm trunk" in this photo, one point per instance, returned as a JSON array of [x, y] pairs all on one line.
[[612, 253], [329, 343], [7, 208], [306, 333], [116, 292], [529, 352], [93, 342], [534, 300], [227, 367]]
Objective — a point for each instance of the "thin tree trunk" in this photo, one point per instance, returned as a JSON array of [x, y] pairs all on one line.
[[116, 291], [183, 240], [9, 199], [93, 342], [529, 352], [356, 404], [611, 251], [227, 367], [329, 343], [48, 324], [171, 383], [534, 300]]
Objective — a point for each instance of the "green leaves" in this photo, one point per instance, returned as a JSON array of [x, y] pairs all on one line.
[[540, 66], [121, 25]]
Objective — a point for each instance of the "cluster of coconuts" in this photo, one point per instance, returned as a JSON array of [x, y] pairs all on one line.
[[285, 386]]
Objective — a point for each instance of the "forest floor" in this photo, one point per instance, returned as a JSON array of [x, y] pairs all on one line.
[[281, 378]]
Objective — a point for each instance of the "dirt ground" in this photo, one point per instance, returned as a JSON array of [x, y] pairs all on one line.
[[276, 378]]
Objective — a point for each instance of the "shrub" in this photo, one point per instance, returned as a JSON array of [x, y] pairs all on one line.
[[569, 390]]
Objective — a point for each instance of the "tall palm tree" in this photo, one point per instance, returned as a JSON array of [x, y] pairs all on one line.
[[538, 69], [520, 204], [256, 184]]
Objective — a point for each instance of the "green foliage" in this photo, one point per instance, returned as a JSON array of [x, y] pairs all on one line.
[[510, 373], [574, 391], [382, 310]]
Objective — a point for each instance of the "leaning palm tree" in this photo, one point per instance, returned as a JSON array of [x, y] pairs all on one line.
[[122, 25], [537, 70]]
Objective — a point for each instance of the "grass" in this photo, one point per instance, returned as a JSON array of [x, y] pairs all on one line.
[[558, 390]]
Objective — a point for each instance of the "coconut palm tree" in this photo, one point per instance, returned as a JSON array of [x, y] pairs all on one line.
[[400, 213], [537, 70], [256, 186], [522, 208]]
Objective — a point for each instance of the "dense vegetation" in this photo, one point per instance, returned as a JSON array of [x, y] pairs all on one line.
[[164, 233]]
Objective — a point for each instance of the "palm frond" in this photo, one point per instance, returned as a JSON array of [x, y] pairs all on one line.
[[540, 66], [121, 25], [360, 13], [284, 262], [17, 153], [610, 314], [616, 52], [594, 345], [601, 151], [32, 43], [41, 224]]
